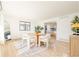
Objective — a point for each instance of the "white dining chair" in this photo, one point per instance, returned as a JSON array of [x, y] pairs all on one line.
[[30, 40], [45, 39]]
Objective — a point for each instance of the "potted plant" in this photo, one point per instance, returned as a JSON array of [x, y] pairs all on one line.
[[75, 25], [38, 29]]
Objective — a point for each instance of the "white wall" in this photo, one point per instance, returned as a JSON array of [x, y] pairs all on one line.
[[2, 40], [36, 12], [63, 26], [14, 25]]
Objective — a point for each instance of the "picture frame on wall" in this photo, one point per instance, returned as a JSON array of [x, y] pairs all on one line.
[[24, 26]]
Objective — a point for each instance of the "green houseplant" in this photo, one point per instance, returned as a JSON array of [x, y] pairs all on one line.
[[75, 25], [38, 29]]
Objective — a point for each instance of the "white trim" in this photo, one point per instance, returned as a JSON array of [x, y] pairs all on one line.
[[64, 40]]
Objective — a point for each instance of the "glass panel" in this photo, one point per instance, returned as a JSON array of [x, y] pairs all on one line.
[[6, 30]]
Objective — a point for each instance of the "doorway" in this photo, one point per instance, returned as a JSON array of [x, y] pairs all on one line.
[[51, 28]]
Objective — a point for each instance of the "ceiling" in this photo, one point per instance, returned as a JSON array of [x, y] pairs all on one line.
[[40, 10]]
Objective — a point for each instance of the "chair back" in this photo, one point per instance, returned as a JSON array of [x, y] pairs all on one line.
[[46, 36]]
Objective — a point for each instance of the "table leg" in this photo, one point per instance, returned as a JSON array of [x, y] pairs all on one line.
[[37, 40]]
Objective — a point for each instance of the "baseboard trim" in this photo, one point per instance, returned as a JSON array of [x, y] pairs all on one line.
[[64, 40]]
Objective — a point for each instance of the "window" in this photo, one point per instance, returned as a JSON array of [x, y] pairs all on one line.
[[24, 26]]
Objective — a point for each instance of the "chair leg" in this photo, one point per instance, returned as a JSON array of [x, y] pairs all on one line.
[[28, 44], [39, 44], [47, 44]]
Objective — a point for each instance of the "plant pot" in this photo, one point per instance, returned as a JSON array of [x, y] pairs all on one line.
[[37, 33]]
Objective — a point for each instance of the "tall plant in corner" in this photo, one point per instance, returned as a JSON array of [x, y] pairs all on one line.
[[38, 29], [75, 25]]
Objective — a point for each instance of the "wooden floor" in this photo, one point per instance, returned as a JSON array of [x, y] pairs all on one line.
[[60, 49], [57, 49]]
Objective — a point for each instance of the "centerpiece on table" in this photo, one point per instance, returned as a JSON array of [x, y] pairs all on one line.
[[38, 29]]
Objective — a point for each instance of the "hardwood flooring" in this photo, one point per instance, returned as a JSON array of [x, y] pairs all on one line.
[[60, 49], [56, 49]]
